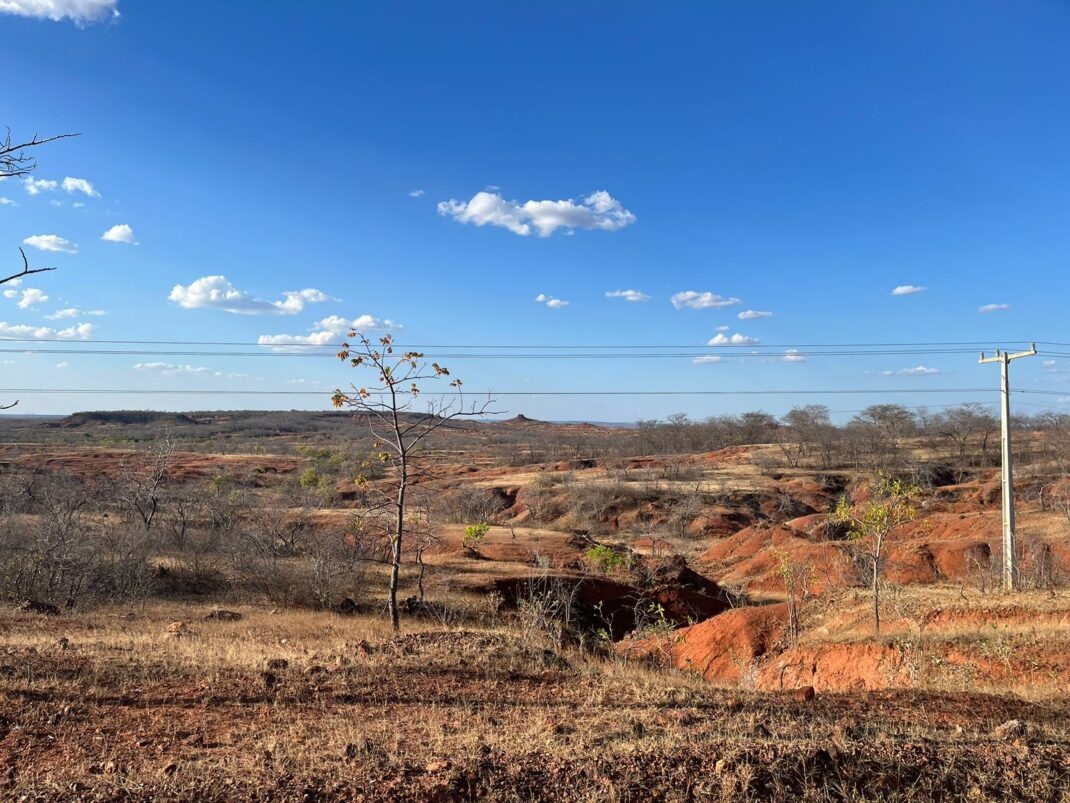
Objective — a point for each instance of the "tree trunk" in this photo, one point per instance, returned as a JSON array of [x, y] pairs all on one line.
[[399, 529], [876, 597]]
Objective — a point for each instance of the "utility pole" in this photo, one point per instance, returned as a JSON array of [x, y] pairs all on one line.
[[1010, 554]]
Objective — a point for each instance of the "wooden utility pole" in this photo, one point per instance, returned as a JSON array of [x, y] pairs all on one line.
[[1010, 554]]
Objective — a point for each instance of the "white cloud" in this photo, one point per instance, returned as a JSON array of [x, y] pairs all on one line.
[[78, 205], [706, 359], [907, 290], [416, 193], [753, 315], [80, 331], [6, 201], [920, 370], [51, 242], [550, 301], [78, 11], [724, 328], [169, 369], [11, 293], [628, 295], [793, 355], [735, 340], [993, 307], [216, 292], [330, 330], [696, 300], [35, 186], [120, 233], [63, 364], [55, 203], [599, 210], [73, 312], [73, 185], [31, 296]]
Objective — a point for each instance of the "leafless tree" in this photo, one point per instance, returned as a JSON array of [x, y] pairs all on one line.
[[142, 480], [400, 430], [17, 159]]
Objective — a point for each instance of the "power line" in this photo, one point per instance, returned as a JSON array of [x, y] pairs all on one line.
[[973, 344], [751, 352], [326, 391]]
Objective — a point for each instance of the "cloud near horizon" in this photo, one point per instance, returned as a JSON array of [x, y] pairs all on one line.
[[216, 292], [330, 331], [735, 340], [599, 210], [79, 331]]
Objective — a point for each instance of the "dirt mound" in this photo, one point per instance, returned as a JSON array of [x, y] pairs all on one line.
[[837, 667], [724, 648]]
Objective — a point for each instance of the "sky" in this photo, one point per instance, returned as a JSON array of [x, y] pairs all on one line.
[[725, 183]]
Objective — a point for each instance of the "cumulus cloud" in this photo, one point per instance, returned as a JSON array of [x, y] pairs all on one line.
[[330, 331], [550, 301], [35, 186], [73, 185], [31, 296], [120, 233], [993, 307], [6, 201], [628, 295], [695, 300], [907, 290], [706, 359], [51, 242], [78, 11], [11, 293], [793, 355], [79, 331], [599, 210], [737, 339], [919, 370], [216, 292], [753, 315]]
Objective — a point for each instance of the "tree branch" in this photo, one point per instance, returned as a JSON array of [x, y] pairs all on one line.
[[26, 269]]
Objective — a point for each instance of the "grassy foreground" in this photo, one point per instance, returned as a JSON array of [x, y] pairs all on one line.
[[161, 704]]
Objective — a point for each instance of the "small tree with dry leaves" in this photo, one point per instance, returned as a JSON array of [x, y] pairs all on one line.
[[389, 404], [871, 523]]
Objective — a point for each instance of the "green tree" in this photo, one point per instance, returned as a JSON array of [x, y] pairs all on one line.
[[389, 405], [871, 523]]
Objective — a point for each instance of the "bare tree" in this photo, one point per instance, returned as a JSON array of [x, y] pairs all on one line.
[[400, 431], [143, 480], [16, 159]]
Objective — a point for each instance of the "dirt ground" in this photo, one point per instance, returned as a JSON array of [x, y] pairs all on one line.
[[161, 704]]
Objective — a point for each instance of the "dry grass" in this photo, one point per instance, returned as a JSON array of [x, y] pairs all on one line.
[[125, 709]]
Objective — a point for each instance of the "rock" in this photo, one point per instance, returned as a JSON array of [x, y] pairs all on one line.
[[1009, 730], [438, 766], [803, 694], [276, 664], [35, 606], [223, 615]]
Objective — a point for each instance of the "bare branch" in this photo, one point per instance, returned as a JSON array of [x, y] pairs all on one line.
[[26, 269]]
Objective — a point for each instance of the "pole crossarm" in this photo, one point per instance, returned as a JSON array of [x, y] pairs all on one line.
[[1010, 547]]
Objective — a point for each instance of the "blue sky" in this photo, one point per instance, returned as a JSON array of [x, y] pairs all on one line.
[[442, 165]]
